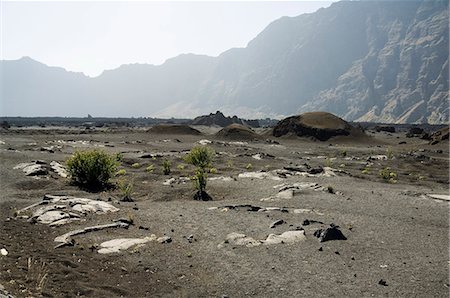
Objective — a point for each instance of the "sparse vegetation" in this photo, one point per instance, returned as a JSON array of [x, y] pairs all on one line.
[[249, 166], [166, 167], [344, 153], [213, 170], [180, 167], [136, 165], [200, 179], [126, 189], [388, 175], [91, 168], [150, 169], [121, 172], [119, 156], [389, 153], [201, 157]]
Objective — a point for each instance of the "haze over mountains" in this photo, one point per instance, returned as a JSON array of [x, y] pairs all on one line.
[[364, 61]]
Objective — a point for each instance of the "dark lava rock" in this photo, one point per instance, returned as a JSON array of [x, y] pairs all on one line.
[[331, 233], [202, 196], [414, 131], [307, 222], [277, 223], [439, 136], [390, 129], [316, 170], [320, 125], [382, 282]]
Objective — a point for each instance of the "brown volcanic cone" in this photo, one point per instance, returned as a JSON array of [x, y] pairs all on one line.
[[178, 129], [320, 125], [237, 132]]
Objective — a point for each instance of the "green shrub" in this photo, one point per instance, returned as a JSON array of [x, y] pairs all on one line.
[[119, 156], [200, 179], [249, 166], [91, 168], [121, 172], [200, 156], [136, 165], [150, 168], [213, 170], [180, 167], [166, 167]]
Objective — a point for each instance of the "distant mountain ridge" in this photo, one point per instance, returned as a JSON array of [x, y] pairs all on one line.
[[379, 61]]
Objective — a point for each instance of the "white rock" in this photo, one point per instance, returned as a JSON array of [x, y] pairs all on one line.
[[285, 194], [59, 169], [52, 216], [3, 252], [204, 142], [439, 197], [221, 178], [259, 175], [257, 156], [286, 237], [242, 239], [116, 245]]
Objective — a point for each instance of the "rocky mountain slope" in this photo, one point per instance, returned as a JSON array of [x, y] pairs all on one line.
[[361, 60]]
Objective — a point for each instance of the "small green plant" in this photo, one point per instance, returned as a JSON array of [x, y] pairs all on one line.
[[343, 153], [389, 153], [200, 156], [249, 166], [213, 170], [180, 167], [92, 168], [388, 175], [150, 169], [166, 167], [136, 165], [366, 170], [126, 189], [121, 172], [229, 164]]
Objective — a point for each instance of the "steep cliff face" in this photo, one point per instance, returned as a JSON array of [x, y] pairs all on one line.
[[403, 77], [383, 61]]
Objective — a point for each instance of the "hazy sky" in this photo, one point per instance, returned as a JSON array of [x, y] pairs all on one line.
[[92, 36]]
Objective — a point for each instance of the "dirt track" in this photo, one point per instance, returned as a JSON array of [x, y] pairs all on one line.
[[395, 232]]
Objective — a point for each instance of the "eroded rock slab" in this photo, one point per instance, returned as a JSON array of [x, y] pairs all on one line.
[[121, 244], [288, 237], [59, 210]]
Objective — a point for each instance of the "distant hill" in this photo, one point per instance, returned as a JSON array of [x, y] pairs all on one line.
[[219, 119], [379, 61]]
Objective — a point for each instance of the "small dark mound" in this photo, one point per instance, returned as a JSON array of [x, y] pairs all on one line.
[[174, 129], [320, 125], [237, 132], [439, 136]]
